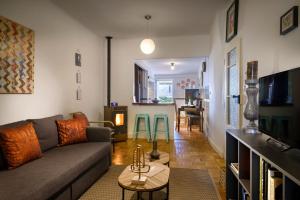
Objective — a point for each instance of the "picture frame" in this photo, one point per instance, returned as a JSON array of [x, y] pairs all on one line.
[[78, 77], [78, 59], [289, 21], [232, 20]]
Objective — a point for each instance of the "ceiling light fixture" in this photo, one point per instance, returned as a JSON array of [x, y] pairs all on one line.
[[147, 45], [172, 66]]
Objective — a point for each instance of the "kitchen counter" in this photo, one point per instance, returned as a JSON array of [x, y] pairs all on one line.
[[153, 104]]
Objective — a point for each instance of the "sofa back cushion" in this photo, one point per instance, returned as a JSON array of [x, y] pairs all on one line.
[[3, 163], [46, 130], [20, 145]]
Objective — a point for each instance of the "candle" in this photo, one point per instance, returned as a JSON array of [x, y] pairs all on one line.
[[252, 70]]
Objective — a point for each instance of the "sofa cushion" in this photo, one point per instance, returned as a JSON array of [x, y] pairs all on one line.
[[80, 115], [3, 163], [48, 175], [71, 131], [20, 145], [46, 131]]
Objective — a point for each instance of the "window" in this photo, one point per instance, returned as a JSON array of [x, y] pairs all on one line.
[[164, 91]]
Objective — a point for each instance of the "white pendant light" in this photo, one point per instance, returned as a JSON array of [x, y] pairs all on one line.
[[147, 45]]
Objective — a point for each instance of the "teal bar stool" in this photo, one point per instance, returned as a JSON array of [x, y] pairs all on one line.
[[165, 119], [137, 130]]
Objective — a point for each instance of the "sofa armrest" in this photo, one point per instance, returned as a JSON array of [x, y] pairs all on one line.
[[98, 134]]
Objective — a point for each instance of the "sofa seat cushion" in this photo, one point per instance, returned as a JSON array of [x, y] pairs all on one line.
[[42, 178]]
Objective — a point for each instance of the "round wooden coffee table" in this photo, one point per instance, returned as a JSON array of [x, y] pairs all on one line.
[[154, 183], [164, 158]]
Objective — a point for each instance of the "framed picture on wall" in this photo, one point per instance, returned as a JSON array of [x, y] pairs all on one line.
[[289, 21], [78, 59], [232, 20]]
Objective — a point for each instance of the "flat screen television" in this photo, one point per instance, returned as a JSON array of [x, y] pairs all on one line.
[[279, 106]]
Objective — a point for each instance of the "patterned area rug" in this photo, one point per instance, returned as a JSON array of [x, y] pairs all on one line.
[[191, 184]]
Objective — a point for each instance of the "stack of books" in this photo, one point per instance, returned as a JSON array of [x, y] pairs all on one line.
[[271, 182]]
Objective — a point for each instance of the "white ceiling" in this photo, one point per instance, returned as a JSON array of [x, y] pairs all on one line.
[[163, 66], [125, 18]]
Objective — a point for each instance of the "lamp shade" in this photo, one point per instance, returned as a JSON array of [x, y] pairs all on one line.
[[147, 46]]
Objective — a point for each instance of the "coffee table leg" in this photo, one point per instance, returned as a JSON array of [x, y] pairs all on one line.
[[167, 191], [150, 195], [138, 195], [123, 194]]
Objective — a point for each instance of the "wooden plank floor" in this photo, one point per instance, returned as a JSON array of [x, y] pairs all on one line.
[[187, 150]]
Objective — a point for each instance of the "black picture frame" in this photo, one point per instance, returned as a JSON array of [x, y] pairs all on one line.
[[294, 24], [232, 10], [78, 59]]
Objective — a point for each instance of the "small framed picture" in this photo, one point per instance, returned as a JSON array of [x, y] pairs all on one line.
[[78, 59], [78, 94], [78, 77], [232, 21], [289, 21]]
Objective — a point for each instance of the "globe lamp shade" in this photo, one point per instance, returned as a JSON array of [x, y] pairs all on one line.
[[147, 46]]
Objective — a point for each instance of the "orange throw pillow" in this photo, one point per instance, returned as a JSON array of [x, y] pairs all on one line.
[[71, 131], [20, 145], [80, 115]]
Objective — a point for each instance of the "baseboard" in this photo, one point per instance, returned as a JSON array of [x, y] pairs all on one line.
[[215, 147]]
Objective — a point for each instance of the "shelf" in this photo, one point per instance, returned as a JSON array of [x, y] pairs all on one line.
[[244, 182], [248, 150]]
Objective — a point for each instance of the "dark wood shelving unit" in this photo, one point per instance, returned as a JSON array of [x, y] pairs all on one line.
[[247, 150]]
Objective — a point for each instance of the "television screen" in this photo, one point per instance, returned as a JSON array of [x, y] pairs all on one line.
[[279, 106]]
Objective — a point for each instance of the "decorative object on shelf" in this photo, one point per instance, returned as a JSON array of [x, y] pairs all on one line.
[[232, 20], [251, 110], [289, 21], [16, 58], [114, 104], [138, 166], [154, 154], [147, 45], [155, 100], [78, 59]]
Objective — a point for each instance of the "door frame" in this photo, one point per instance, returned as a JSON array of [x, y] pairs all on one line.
[[234, 44]]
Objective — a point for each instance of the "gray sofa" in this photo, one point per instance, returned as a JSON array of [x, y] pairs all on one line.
[[63, 172]]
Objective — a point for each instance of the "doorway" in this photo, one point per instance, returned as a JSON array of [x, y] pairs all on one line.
[[233, 85]]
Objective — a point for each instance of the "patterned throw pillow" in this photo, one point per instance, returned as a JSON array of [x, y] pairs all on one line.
[[80, 115], [20, 145], [71, 131]]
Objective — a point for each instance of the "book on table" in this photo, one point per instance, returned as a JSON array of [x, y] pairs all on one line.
[[235, 167]]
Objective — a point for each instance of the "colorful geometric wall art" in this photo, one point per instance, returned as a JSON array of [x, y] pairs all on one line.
[[16, 58]]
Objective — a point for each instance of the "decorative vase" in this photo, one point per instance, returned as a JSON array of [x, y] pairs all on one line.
[[251, 110], [154, 154]]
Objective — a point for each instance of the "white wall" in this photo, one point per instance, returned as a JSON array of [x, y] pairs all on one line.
[[215, 74], [126, 51], [57, 37], [259, 25], [177, 78]]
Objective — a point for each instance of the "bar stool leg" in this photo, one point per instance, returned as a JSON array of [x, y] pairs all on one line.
[[167, 128], [148, 132], [135, 131]]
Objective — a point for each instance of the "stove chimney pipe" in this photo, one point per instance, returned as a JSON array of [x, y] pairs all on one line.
[[108, 38]]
